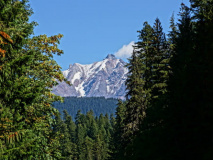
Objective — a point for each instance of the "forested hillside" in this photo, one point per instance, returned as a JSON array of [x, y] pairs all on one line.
[[87, 138], [168, 112], [97, 104]]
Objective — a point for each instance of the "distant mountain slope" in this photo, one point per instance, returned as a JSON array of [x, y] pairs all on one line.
[[100, 79], [97, 104]]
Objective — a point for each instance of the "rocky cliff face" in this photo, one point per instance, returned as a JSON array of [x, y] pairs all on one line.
[[100, 79]]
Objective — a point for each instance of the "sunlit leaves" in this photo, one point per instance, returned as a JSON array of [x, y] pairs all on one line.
[[27, 74]]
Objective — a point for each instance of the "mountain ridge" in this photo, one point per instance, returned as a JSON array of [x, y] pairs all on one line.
[[104, 78]]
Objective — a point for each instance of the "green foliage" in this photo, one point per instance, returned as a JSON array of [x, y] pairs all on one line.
[[167, 115], [175, 87], [27, 73], [189, 85], [88, 138], [119, 125], [147, 82]]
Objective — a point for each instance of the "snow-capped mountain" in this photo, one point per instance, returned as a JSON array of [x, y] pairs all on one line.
[[104, 78]]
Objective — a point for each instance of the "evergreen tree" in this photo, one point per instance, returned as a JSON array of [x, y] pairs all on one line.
[[88, 148], [80, 134], [147, 83], [118, 141], [112, 121], [178, 109], [172, 36], [27, 74], [70, 125], [98, 149], [67, 142], [92, 136], [160, 69], [189, 85], [139, 85], [135, 92]]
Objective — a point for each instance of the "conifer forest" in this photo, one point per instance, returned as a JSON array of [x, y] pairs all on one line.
[[167, 114]]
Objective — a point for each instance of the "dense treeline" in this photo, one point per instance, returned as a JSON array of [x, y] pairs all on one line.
[[168, 113], [97, 104], [87, 138]]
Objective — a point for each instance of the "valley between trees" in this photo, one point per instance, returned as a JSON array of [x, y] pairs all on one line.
[[168, 110]]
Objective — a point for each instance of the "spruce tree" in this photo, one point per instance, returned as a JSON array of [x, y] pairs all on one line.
[[147, 83], [118, 140], [70, 125], [160, 69], [67, 129], [139, 81], [189, 85], [88, 148]]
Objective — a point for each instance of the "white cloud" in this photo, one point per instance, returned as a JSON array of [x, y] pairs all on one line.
[[125, 51]]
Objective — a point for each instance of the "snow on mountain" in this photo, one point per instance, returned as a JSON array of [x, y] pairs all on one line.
[[100, 79]]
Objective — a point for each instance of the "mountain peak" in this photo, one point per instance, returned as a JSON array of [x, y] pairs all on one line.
[[100, 79], [110, 56]]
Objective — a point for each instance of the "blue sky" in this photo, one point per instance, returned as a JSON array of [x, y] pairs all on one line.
[[94, 28]]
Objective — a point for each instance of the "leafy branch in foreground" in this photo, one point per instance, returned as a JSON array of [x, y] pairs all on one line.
[[27, 74]]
